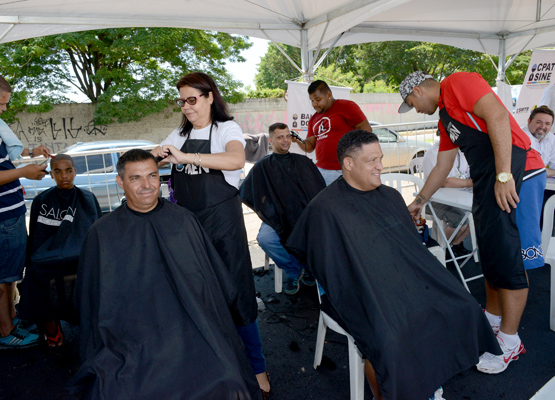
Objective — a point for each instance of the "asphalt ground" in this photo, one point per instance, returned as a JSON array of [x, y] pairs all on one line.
[[288, 327]]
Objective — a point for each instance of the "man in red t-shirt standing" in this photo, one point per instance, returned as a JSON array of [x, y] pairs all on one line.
[[505, 171], [333, 119]]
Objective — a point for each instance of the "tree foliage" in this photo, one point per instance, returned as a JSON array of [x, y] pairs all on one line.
[[381, 66], [127, 73]]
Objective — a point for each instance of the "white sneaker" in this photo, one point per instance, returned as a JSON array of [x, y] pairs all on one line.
[[492, 364], [438, 395]]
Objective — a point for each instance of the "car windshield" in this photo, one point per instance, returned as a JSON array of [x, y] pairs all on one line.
[[93, 164]]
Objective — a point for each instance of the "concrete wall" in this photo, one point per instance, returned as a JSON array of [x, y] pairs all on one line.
[[67, 124]]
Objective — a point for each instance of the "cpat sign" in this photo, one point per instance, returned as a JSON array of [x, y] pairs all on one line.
[[539, 77]]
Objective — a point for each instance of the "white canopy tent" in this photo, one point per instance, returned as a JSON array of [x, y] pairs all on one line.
[[496, 27]]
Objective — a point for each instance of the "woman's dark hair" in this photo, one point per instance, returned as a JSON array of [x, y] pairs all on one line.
[[205, 84]]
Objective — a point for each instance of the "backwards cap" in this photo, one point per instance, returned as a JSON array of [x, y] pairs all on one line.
[[406, 87]]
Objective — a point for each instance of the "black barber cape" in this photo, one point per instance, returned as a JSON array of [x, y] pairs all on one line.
[[155, 320], [409, 316], [58, 223], [279, 187]]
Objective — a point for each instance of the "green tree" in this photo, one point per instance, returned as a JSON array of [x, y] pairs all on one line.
[[274, 68], [381, 66], [127, 73]]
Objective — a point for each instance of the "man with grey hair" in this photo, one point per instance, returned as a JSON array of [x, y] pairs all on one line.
[[538, 130], [505, 171], [13, 232]]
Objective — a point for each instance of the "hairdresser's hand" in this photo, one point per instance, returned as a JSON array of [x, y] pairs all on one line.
[[172, 154], [34, 171], [42, 150]]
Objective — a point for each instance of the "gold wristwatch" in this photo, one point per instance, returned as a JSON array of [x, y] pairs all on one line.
[[504, 177]]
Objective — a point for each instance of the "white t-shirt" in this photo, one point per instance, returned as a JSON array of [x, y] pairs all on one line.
[[460, 169], [546, 147], [548, 99], [222, 134]]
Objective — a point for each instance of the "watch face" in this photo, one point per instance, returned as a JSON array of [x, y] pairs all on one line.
[[503, 177]]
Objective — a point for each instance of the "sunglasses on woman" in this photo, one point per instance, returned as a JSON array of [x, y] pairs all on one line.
[[192, 100]]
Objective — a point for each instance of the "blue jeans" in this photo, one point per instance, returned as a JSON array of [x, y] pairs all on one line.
[[268, 239], [330, 175], [13, 240], [250, 335]]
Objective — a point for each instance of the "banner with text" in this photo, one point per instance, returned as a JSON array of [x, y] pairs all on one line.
[[299, 108], [539, 77]]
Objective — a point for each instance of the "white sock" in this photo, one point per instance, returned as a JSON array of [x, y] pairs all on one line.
[[494, 320], [511, 341]]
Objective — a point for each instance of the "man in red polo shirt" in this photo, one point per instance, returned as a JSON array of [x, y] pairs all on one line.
[[505, 171], [333, 119]]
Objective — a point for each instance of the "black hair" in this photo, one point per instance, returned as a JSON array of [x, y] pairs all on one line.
[[62, 157], [541, 110], [4, 85], [277, 125], [205, 84], [318, 85], [133, 155], [352, 142]]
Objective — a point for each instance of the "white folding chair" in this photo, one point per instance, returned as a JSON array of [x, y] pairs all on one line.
[[416, 167], [548, 246], [278, 274], [356, 360]]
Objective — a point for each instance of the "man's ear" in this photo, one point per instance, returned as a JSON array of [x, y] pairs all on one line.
[[348, 163], [417, 91], [119, 181]]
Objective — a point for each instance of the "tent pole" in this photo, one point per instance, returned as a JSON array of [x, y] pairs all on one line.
[[283, 52], [308, 75], [328, 51], [501, 63], [6, 31]]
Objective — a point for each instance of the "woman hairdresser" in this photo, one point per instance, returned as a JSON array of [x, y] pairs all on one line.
[[207, 152]]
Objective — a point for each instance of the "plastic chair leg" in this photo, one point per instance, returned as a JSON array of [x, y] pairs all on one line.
[[278, 278], [319, 350], [356, 372], [551, 262]]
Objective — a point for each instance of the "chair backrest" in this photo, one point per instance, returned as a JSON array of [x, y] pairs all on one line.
[[416, 167], [547, 228], [395, 180]]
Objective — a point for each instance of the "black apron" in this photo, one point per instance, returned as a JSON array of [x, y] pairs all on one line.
[[198, 188], [217, 205], [496, 230]]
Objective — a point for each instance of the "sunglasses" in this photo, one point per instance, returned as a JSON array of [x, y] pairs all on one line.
[[192, 100]]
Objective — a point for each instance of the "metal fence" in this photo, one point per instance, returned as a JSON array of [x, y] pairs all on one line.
[[96, 169]]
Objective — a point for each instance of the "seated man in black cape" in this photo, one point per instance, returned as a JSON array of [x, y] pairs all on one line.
[[60, 219], [414, 322], [155, 298], [278, 188]]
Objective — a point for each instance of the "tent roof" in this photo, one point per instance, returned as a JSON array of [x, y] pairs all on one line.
[[473, 24]]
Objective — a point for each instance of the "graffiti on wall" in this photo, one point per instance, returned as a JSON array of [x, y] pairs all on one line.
[[56, 132], [258, 122]]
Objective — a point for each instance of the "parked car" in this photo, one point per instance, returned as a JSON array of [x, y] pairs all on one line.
[[95, 172], [398, 151]]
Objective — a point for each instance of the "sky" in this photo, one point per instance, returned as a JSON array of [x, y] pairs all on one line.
[[246, 71]]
